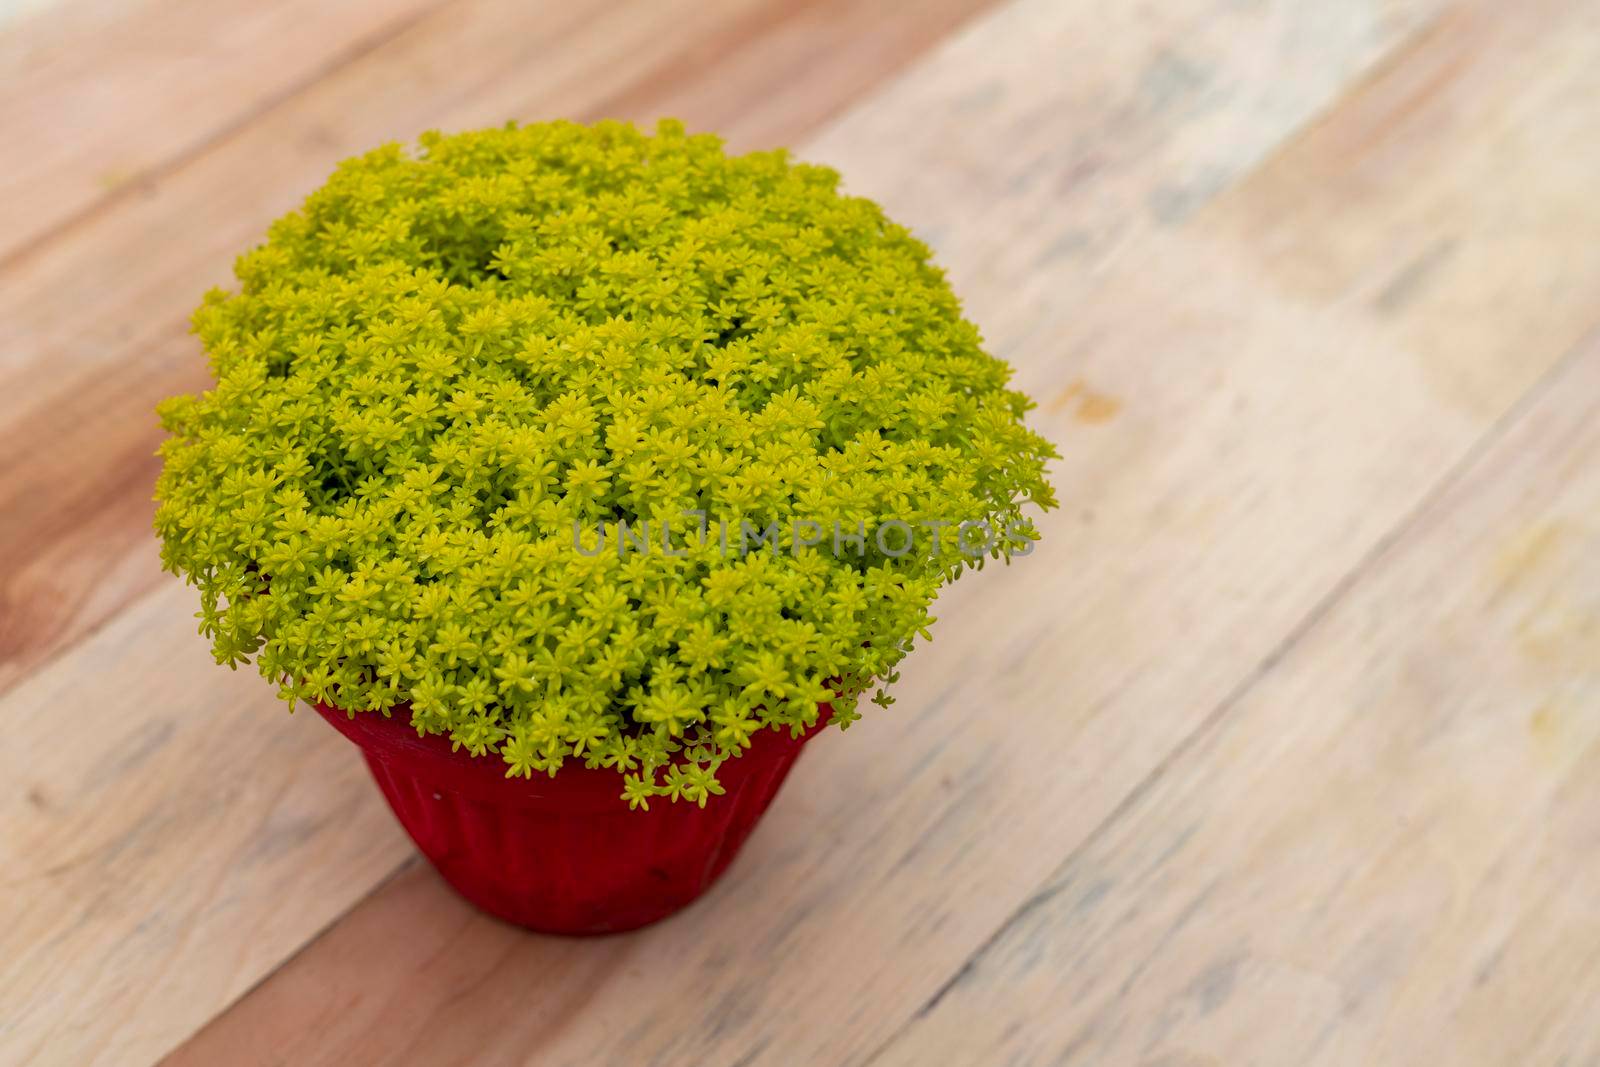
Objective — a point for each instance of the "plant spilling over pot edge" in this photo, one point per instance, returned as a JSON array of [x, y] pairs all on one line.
[[454, 368]]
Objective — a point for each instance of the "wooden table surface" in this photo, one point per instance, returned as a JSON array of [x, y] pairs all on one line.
[[1283, 749]]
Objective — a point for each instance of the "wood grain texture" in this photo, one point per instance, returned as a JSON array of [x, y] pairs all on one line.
[[99, 100], [1450, 112], [1445, 196], [169, 846], [1386, 853], [788, 67], [1266, 444]]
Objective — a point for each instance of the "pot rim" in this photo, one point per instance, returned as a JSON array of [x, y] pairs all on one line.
[[390, 740]]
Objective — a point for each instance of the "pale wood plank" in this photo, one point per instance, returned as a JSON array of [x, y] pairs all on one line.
[[48, 23], [1473, 266], [98, 99], [30, 29], [168, 835], [844, 47], [1386, 853], [1267, 440], [87, 381]]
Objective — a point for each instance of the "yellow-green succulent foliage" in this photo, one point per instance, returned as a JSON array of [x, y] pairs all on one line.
[[451, 358]]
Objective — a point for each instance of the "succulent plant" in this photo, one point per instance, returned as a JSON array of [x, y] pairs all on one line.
[[496, 417]]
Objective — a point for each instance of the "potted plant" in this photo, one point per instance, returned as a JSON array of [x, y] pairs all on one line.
[[579, 476]]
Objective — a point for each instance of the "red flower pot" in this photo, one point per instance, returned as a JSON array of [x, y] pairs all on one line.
[[564, 855]]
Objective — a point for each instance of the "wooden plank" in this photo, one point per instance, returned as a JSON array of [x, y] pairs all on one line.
[[168, 835], [1386, 204], [87, 378], [99, 100], [785, 54], [1221, 507], [132, 860], [29, 26], [1458, 267], [1385, 854], [1101, 145]]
